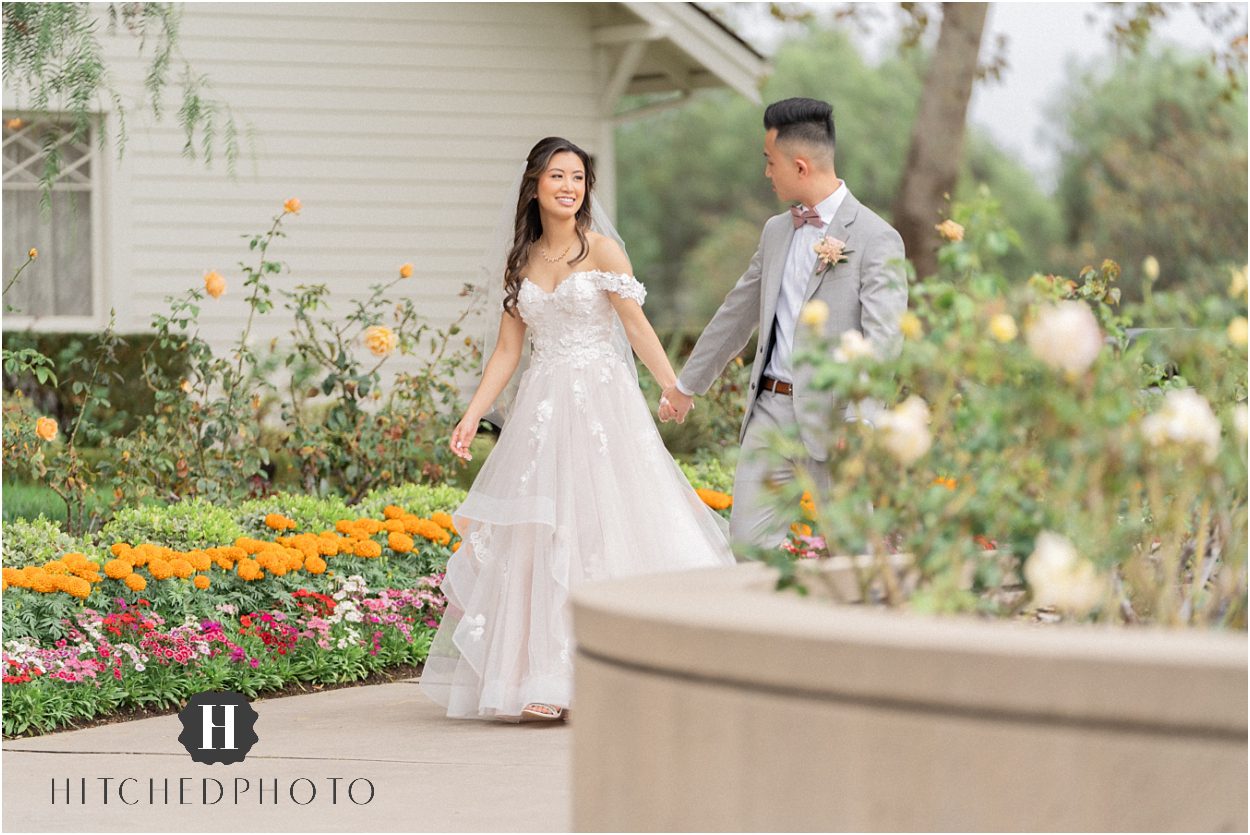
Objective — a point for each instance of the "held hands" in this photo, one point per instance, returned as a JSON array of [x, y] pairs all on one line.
[[462, 436], [674, 405]]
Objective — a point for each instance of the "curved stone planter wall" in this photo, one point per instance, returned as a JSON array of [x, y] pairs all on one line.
[[704, 700]]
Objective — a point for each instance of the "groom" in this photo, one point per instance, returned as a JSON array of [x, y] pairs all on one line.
[[866, 292]]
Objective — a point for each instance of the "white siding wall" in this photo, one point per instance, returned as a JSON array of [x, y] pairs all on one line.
[[399, 127]]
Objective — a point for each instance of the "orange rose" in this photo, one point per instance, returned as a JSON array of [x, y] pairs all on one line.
[[214, 284], [293, 206], [45, 428], [405, 271], [381, 340], [950, 230]]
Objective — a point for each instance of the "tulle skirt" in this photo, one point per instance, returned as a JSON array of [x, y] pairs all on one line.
[[579, 487]]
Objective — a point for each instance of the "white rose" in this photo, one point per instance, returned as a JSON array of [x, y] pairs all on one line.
[[852, 346], [1060, 577], [1065, 336], [1185, 418], [905, 430]]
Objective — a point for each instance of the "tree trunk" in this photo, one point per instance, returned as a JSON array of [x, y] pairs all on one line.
[[937, 138]]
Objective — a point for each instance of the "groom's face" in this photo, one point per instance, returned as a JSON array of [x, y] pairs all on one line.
[[780, 168]]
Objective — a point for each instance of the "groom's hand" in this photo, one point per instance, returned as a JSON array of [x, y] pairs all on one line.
[[679, 405]]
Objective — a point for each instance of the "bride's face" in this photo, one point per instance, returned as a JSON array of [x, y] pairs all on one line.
[[562, 187]]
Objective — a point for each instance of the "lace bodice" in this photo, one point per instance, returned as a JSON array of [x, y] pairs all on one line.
[[574, 322]]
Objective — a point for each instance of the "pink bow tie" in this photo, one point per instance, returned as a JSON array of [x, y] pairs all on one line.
[[801, 215]]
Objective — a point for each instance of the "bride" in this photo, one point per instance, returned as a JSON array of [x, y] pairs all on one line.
[[579, 485]]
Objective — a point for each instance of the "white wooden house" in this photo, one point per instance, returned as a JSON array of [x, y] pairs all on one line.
[[397, 125]]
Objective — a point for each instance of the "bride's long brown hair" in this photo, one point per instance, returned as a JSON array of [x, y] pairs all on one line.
[[529, 226]]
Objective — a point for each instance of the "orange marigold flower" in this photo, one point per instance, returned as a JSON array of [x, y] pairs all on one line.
[[201, 581], [367, 548], [119, 548], [455, 546], [55, 567], [368, 526], [345, 526], [279, 522], [43, 582], [393, 525], [315, 565], [714, 498], [160, 570], [118, 569], [444, 520], [45, 428], [78, 587], [248, 570], [799, 529], [136, 582], [401, 543], [181, 568], [199, 560]]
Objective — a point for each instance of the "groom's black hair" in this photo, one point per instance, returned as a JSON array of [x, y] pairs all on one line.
[[805, 120]]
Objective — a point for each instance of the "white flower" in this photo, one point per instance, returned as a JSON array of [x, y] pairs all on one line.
[[1065, 336], [853, 346], [905, 430], [1185, 418], [140, 668], [1060, 577]]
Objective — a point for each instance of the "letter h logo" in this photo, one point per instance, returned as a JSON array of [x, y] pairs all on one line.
[[222, 724]]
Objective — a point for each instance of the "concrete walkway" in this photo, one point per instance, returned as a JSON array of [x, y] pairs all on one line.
[[429, 773]]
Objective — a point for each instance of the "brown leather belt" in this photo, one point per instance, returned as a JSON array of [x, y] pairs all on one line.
[[769, 384]]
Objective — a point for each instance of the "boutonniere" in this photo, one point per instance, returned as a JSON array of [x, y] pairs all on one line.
[[830, 251]]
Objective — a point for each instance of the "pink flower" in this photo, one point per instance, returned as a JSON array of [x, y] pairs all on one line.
[[830, 251]]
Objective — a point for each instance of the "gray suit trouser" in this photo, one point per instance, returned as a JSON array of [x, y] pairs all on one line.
[[754, 519]]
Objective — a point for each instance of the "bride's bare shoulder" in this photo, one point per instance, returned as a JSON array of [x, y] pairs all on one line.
[[606, 254]]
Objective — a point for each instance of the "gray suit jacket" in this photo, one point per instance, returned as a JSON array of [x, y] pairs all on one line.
[[866, 292]]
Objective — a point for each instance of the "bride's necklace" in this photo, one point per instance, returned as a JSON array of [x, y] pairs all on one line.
[[560, 257]]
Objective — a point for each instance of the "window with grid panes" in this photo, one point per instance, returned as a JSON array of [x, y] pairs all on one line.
[[60, 282]]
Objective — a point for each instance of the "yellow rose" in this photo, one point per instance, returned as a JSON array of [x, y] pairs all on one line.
[[1003, 327], [293, 205], [950, 230], [381, 340], [405, 271], [1237, 287], [33, 254], [910, 326], [214, 284], [815, 314], [45, 428], [1237, 331]]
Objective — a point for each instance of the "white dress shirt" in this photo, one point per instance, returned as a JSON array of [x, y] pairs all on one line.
[[800, 263]]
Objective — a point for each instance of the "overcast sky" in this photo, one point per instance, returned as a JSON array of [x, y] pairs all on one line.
[[1042, 38]]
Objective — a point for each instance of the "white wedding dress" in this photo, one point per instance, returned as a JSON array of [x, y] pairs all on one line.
[[579, 487]]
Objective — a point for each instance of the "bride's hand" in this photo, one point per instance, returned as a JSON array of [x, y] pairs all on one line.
[[462, 437]]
